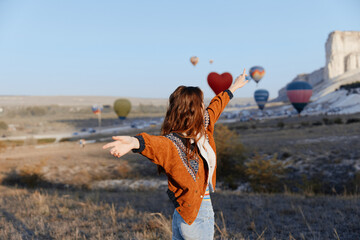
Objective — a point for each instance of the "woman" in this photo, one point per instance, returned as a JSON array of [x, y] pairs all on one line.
[[186, 153]]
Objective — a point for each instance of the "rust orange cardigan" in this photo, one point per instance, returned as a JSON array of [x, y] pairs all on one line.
[[186, 188]]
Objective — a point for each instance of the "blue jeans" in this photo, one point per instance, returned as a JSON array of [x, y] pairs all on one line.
[[201, 229]]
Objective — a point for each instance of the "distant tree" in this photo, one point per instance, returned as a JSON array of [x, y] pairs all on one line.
[[36, 111], [350, 86], [3, 125]]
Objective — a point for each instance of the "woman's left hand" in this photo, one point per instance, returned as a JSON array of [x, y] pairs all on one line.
[[122, 145]]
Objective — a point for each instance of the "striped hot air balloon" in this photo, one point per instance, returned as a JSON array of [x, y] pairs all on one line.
[[261, 97], [97, 109], [257, 73], [299, 94]]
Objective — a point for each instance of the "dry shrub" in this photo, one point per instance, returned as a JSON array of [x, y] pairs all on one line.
[[230, 155], [29, 175], [2, 146], [352, 120], [40, 201], [317, 123], [338, 121], [126, 212], [305, 124], [113, 213], [280, 124], [265, 175], [30, 141], [122, 171], [13, 143], [159, 222], [222, 231], [35, 111], [46, 140], [3, 125], [328, 121], [83, 178]]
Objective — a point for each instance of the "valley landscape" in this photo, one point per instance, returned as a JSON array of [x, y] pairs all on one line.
[[281, 174]]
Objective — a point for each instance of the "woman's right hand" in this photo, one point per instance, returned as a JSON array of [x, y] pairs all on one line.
[[122, 145], [239, 82]]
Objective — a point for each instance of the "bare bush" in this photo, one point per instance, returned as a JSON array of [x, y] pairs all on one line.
[[265, 174], [230, 156], [29, 176], [35, 111], [2, 146], [3, 125]]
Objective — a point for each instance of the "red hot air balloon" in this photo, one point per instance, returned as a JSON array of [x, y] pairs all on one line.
[[299, 94], [219, 83]]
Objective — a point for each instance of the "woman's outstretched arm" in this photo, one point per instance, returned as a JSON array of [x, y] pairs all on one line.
[[122, 145], [219, 102], [158, 149]]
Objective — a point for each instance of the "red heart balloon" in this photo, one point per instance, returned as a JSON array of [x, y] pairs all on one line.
[[219, 83]]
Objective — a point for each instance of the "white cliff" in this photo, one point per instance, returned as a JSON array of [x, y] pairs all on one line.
[[342, 66], [342, 53]]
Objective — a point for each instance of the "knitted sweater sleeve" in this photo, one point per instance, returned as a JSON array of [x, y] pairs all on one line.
[[217, 106], [158, 149]]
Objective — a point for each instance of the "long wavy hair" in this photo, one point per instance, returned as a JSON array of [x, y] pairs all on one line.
[[185, 116]]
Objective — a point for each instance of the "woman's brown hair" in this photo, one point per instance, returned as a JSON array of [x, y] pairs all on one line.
[[185, 115]]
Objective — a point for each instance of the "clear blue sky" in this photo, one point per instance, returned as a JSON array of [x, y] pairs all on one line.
[[142, 48]]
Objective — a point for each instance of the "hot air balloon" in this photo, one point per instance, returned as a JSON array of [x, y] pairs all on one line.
[[261, 97], [219, 83], [299, 94], [97, 109], [257, 73], [122, 108], [194, 60], [211, 61]]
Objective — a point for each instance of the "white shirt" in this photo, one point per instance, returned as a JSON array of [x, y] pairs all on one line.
[[208, 154]]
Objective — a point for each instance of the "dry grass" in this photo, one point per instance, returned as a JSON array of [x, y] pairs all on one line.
[[63, 214], [42, 215]]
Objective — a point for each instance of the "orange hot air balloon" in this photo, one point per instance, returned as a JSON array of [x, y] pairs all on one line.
[[211, 61], [194, 60], [257, 73]]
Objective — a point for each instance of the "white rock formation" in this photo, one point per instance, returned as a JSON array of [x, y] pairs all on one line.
[[342, 53], [330, 86], [342, 66]]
